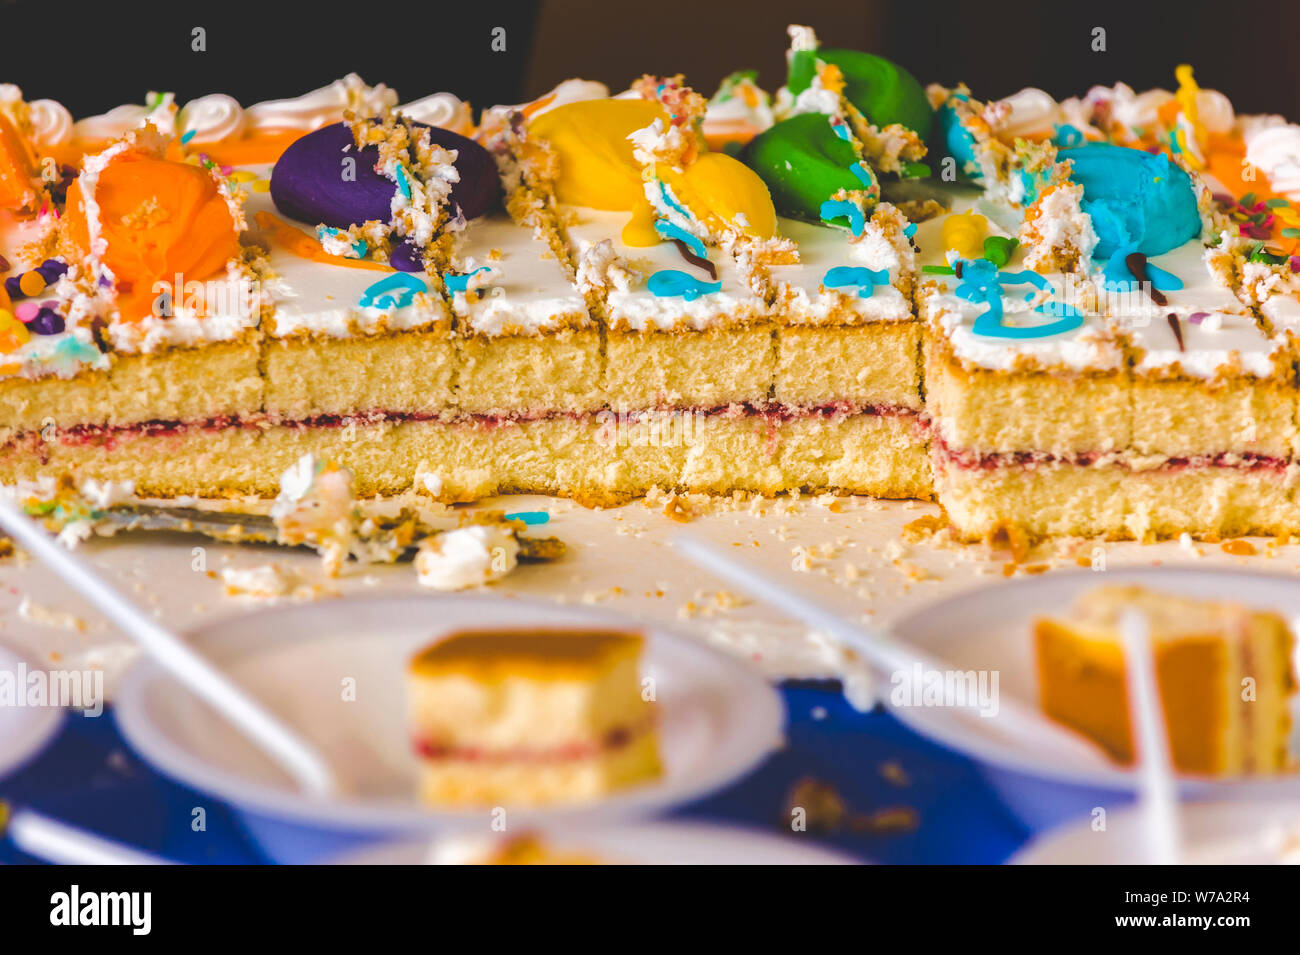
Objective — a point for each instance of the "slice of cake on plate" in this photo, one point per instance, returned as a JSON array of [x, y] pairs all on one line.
[[1224, 672], [522, 717]]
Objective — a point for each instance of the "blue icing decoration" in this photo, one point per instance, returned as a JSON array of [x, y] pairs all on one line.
[[863, 173], [395, 291], [1135, 198], [403, 183], [958, 139], [668, 283], [459, 282], [358, 248], [1067, 135], [1117, 277], [910, 229], [670, 231], [671, 201], [834, 208], [981, 282], [529, 517], [844, 276]]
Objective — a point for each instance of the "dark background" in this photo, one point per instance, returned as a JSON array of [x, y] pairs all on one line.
[[95, 56]]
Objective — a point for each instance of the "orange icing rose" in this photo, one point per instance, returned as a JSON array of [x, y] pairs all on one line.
[[160, 219]]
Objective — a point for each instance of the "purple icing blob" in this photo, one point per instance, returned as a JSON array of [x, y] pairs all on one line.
[[308, 182], [46, 322], [406, 257]]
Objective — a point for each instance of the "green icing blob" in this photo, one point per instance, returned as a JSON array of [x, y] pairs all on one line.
[[803, 163], [884, 91]]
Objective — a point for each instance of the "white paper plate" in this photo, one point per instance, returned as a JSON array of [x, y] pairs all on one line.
[[990, 629], [717, 717], [1223, 833], [24, 730], [662, 843]]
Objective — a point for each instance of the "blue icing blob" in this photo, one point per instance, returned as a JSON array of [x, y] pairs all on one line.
[[1117, 277], [669, 283], [1067, 135], [846, 276], [958, 140], [1135, 198], [670, 231], [834, 208], [396, 291]]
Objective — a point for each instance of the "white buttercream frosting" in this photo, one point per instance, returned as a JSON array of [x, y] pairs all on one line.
[[467, 557], [212, 118], [321, 106]]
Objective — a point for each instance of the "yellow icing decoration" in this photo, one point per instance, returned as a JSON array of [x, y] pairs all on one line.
[[964, 234], [589, 138], [1186, 98], [724, 193], [13, 333], [640, 230]]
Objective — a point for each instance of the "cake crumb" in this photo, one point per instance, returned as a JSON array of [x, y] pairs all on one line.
[[1238, 548], [33, 612]]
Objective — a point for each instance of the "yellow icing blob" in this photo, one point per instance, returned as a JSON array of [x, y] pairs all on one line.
[[640, 229], [724, 193], [589, 138], [964, 234]]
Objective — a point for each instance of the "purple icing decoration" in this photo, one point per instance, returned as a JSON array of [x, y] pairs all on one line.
[[406, 258], [46, 322], [1197, 317], [307, 183], [12, 287], [52, 270]]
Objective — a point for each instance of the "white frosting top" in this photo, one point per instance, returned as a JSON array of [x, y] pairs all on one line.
[[636, 307], [322, 298], [1283, 310], [527, 291], [1208, 346], [1201, 291], [825, 247]]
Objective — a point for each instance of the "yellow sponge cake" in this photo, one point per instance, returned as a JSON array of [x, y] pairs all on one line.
[[1224, 673], [511, 717]]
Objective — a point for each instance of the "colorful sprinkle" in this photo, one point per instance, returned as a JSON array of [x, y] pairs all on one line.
[[187, 136]]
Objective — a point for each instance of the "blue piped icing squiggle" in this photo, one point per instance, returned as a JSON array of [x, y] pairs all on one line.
[[1135, 198], [670, 231], [835, 208], [395, 291], [981, 283], [847, 276], [459, 281], [1118, 277], [673, 283]]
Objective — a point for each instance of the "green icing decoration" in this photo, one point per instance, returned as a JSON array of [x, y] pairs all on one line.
[[884, 92], [803, 163]]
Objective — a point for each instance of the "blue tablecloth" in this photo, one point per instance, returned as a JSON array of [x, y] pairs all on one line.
[[89, 777]]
